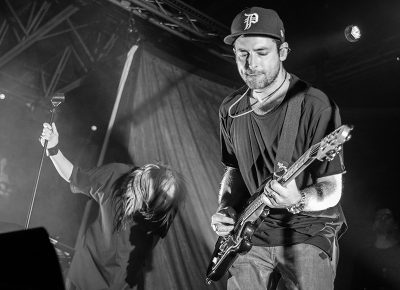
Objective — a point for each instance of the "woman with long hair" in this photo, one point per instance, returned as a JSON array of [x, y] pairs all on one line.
[[136, 206]]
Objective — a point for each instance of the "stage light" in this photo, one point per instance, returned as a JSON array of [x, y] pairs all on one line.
[[352, 33], [2, 96], [93, 128]]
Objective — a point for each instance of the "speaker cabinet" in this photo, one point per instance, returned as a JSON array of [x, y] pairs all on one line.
[[28, 261]]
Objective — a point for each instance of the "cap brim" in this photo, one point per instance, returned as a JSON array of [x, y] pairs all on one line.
[[230, 39]]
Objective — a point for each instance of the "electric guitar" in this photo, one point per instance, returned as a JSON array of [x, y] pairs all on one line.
[[238, 241]]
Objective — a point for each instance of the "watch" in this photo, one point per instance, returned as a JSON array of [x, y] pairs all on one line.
[[299, 206]]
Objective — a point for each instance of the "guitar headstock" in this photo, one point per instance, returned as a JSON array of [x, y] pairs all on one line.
[[332, 144]]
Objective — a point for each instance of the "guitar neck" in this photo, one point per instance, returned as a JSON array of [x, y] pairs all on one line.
[[306, 159]]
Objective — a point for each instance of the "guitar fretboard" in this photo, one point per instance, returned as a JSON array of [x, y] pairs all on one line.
[[298, 166]]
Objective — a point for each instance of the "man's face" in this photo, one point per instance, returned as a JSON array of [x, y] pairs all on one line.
[[257, 59], [384, 221]]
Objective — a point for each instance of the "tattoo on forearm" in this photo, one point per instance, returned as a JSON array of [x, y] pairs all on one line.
[[323, 194], [226, 181], [321, 189]]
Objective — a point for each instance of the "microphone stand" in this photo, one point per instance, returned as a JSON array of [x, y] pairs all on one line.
[[55, 101]]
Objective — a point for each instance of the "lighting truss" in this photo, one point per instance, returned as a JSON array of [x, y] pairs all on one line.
[[183, 21], [34, 21]]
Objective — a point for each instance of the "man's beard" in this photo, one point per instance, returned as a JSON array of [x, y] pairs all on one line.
[[260, 81]]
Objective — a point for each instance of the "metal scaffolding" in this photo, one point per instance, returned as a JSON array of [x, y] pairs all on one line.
[[26, 25], [183, 21]]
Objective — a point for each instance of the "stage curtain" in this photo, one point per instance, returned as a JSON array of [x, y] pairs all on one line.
[[169, 113]]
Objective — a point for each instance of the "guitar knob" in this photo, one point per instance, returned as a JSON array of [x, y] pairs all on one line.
[[264, 213], [249, 230], [245, 246]]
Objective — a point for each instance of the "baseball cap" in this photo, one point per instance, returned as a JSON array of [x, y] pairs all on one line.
[[256, 20]]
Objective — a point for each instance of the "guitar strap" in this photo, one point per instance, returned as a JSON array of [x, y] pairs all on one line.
[[290, 126]]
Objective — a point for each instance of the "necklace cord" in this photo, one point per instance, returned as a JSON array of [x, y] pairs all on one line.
[[252, 109]]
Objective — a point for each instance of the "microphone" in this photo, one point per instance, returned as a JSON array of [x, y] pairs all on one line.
[[57, 99]]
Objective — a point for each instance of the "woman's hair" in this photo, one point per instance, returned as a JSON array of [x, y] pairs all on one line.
[[153, 191]]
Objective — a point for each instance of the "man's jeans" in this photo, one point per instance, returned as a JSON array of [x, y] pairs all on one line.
[[299, 266]]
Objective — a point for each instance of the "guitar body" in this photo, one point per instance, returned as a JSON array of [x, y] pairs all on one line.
[[235, 248], [229, 247], [254, 213]]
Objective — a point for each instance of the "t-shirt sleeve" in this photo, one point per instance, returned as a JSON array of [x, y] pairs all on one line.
[[96, 182], [228, 156], [323, 124]]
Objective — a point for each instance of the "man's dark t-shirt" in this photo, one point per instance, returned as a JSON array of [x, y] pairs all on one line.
[[250, 142]]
